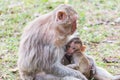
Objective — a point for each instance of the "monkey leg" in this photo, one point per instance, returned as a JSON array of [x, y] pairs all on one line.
[[102, 74], [51, 77], [69, 78], [46, 77], [27, 76], [117, 77]]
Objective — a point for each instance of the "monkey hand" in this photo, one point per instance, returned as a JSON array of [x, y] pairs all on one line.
[[73, 66], [79, 75], [93, 68], [82, 78]]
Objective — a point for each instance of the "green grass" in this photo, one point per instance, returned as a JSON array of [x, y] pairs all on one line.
[[96, 26]]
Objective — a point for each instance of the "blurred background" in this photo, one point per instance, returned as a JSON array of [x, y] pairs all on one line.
[[98, 26]]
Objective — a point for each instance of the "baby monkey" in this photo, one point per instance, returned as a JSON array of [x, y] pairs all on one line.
[[76, 59]]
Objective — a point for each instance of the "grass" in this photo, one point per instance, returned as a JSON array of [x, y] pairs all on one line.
[[96, 25]]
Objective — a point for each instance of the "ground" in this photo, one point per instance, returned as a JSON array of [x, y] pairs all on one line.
[[98, 26]]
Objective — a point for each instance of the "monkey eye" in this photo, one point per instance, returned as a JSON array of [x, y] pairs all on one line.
[[68, 46]]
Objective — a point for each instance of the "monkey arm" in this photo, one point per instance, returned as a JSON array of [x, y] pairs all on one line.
[[93, 64], [61, 71], [73, 66], [75, 62]]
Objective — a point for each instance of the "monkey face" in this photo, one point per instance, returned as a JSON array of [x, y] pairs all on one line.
[[66, 17], [70, 48], [75, 46]]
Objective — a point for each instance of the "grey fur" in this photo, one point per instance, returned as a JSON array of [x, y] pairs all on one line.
[[42, 46]]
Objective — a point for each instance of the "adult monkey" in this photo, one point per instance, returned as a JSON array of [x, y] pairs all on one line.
[[42, 44]]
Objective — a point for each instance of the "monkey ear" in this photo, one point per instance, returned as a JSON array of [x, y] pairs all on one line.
[[61, 15], [83, 48]]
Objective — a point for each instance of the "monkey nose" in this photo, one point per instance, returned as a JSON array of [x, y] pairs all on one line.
[[76, 17]]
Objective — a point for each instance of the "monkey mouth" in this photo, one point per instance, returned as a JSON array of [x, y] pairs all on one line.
[[69, 53]]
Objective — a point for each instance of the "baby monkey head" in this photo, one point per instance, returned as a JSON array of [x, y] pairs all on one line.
[[75, 46]]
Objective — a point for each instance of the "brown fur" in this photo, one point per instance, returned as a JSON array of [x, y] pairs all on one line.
[[85, 63], [80, 61], [42, 44]]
